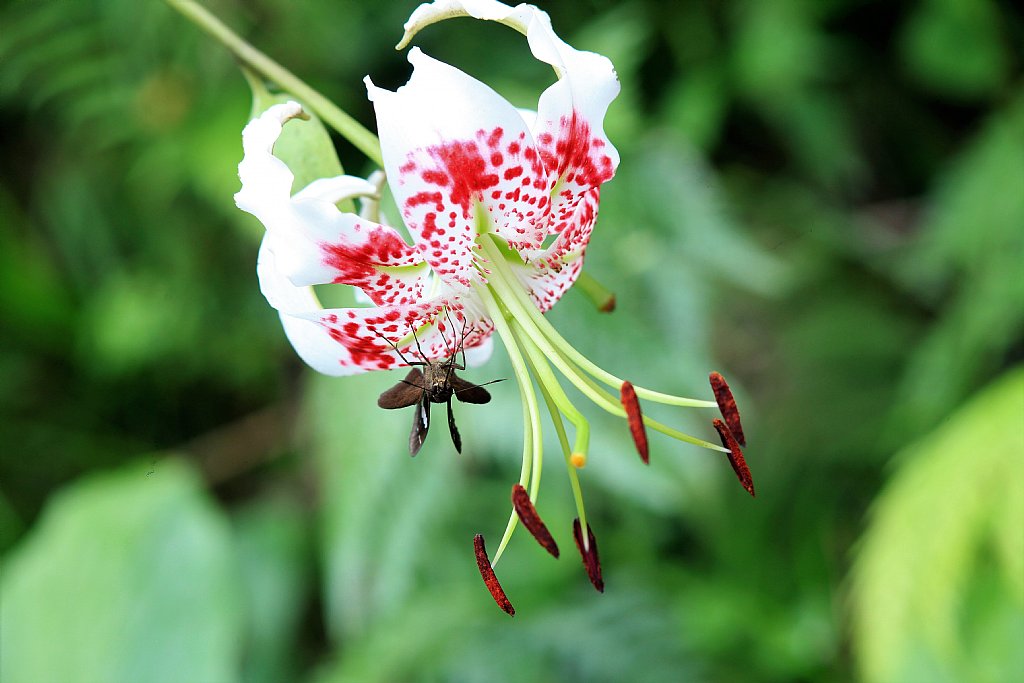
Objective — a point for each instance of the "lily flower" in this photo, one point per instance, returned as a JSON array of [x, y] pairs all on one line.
[[499, 205]]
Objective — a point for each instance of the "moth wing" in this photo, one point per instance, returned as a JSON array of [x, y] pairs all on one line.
[[467, 392], [420, 425], [403, 394], [456, 438]]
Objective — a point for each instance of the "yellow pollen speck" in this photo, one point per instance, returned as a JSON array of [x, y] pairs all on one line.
[[577, 460]]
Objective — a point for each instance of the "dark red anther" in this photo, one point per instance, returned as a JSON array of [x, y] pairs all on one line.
[[727, 406], [739, 464], [531, 520], [635, 420], [591, 562], [484, 564]]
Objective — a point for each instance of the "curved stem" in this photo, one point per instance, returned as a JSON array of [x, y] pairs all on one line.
[[350, 129]]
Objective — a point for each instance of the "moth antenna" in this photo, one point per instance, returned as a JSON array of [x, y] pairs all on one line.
[[418, 347], [462, 344], [493, 381], [451, 351], [397, 350]]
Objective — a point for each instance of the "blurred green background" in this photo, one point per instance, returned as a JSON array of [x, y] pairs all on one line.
[[822, 200]]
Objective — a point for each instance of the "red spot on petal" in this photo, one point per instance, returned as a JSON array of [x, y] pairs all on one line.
[[462, 162], [494, 139], [436, 177]]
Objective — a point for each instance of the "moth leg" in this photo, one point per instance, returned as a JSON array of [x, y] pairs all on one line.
[[456, 438]]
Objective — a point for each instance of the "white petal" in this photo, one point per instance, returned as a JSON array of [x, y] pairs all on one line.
[[298, 307], [312, 241], [459, 159], [569, 127], [480, 354], [346, 341], [551, 272], [587, 81]]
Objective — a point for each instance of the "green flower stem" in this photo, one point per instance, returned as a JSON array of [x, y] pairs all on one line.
[[350, 129], [523, 308], [532, 444], [556, 420]]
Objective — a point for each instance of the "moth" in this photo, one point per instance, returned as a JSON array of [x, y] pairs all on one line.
[[433, 382]]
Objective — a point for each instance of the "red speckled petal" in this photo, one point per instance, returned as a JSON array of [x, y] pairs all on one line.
[[348, 341], [314, 242], [570, 115], [459, 159], [554, 270]]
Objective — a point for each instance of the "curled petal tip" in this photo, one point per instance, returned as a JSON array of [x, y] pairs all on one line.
[[636, 421], [727, 406], [490, 580], [531, 519], [588, 551], [736, 459]]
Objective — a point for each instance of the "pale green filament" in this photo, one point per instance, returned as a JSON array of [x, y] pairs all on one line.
[[546, 378], [587, 386], [554, 398], [525, 310], [532, 443]]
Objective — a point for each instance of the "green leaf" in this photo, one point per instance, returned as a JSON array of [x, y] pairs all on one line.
[[381, 507], [930, 546], [970, 253], [957, 48], [271, 537], [127, 577]]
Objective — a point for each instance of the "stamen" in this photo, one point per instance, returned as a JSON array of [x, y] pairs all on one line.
[[531, 519], [588, 552], [739, 464], [727, 406], [506, 286], [490, 579], [635, 420]]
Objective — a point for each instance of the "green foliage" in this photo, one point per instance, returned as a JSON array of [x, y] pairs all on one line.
[[822, 200], [127, 577], [941, 568]]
